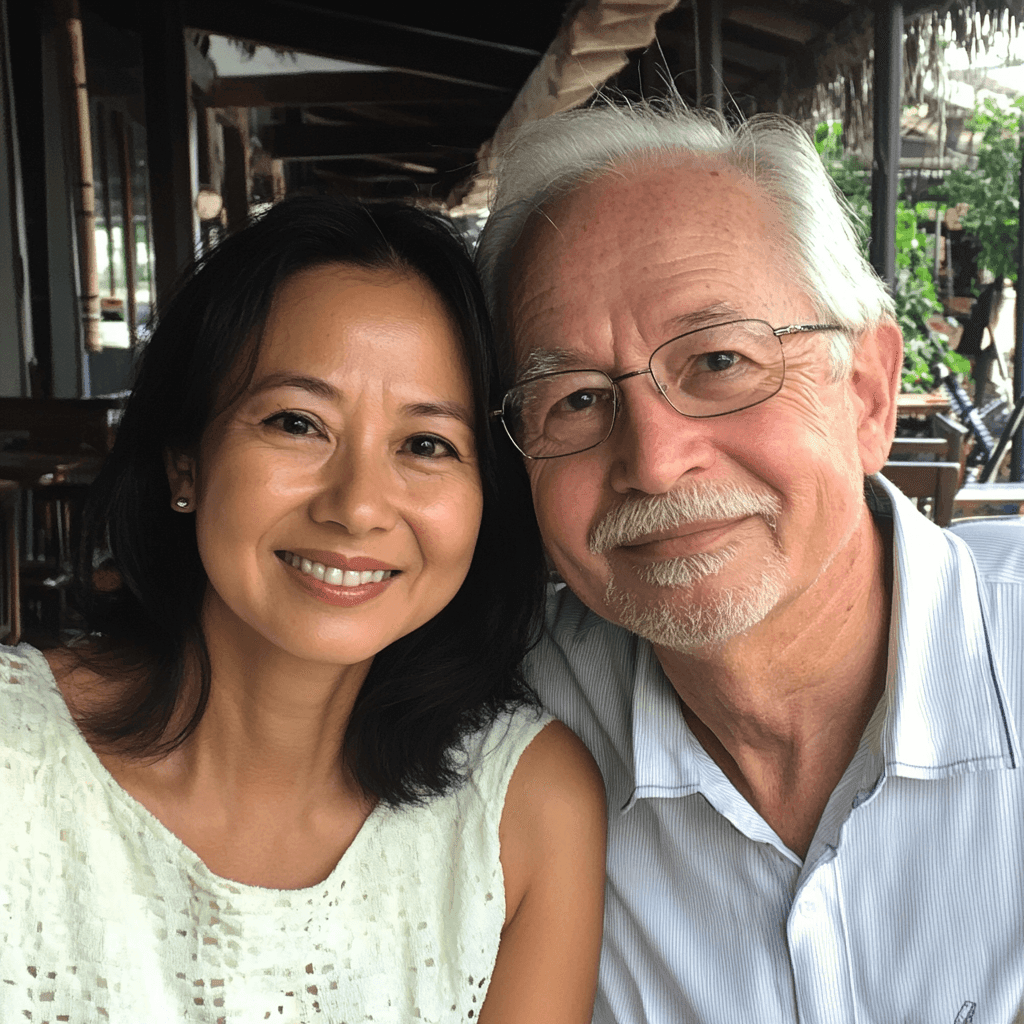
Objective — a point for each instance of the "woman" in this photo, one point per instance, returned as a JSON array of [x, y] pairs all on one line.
[[293, 771]]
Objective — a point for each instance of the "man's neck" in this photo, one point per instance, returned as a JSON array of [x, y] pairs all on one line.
[[782, 708]]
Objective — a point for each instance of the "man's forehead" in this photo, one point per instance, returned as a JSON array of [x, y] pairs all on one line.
[[581, 248]]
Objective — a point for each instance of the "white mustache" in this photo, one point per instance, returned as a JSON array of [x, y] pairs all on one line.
[[640, 517]]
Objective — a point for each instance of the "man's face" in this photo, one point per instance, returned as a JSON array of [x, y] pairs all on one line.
[[686, 530]]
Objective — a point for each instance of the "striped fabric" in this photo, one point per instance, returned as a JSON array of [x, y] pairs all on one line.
[[909, 907]]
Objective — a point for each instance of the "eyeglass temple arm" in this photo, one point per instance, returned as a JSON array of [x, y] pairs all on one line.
[[804, 329]]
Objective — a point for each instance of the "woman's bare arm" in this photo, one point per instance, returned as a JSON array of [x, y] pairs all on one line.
[[552, 854]]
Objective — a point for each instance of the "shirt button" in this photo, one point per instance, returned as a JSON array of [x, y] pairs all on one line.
[[808, 906]]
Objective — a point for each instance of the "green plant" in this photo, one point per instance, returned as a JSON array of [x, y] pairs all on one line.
[[915, 294], [992, 190]]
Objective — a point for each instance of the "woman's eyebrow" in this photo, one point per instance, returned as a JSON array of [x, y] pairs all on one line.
[[314, 385], [449, 410], [323, 389]]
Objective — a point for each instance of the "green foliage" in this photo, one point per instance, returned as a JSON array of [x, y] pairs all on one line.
[[992, 191], [915, 290]]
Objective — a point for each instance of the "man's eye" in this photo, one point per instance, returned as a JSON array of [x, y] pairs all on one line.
[[718, 361], [293, 423], [580, 401], [427, 446]]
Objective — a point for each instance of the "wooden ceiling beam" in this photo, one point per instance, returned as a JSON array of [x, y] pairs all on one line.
[[327, 88], [352, 37], [318, 142]]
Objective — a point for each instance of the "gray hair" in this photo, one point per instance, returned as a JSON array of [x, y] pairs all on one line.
[[551, 157]]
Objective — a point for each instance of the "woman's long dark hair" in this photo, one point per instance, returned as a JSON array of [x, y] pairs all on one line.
[[424, 692]]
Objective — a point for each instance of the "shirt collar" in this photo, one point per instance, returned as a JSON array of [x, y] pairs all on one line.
[[945, 708]]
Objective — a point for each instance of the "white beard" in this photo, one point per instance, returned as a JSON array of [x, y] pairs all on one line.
[[680, 625], [671, 620]]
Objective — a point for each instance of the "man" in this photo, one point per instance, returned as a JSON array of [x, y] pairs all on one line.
[[806, 709]]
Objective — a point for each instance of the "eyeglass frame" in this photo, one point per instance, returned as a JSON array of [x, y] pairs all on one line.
[[779, 332]]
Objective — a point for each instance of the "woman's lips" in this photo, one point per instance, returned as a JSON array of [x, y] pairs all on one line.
[[336, 570], [338, 587]]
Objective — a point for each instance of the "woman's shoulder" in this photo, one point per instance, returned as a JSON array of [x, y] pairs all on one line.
[[528, 757], [36, 727], [27, 684]]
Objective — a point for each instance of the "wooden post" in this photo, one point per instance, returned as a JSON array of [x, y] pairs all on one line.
[[70, 40], [1017, 447], [166, 81], [126, 164], [708, 30], [886, 161], [108, 218], [25, 28]]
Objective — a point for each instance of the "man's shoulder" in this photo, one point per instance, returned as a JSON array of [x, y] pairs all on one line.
[[997, 546]]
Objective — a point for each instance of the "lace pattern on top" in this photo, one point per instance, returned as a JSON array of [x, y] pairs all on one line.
[[106, 916]]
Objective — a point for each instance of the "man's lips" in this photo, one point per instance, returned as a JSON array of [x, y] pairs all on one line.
[[679, 541]]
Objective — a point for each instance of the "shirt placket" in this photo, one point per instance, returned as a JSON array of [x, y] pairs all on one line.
[[818, 949]]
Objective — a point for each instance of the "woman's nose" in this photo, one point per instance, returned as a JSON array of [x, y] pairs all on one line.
[[356, 490]]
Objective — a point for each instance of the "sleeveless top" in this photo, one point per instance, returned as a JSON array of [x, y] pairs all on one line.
[[105, 915]]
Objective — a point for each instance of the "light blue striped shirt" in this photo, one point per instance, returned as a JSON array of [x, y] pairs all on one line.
[[909, 907]]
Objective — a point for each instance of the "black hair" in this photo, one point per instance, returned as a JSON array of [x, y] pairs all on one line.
[[426, 691]]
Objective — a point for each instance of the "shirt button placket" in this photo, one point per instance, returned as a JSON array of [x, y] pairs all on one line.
[[819, 952]]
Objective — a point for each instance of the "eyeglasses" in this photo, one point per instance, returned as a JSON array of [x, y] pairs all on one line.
[[712, 371]]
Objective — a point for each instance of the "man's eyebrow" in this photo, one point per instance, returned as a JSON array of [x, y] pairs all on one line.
[[719, 312], [548, 360], [314, 385]]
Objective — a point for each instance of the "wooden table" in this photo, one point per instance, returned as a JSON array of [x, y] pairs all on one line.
[[35, 469], [921, 405]]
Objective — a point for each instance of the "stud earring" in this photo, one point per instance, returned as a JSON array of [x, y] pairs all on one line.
[[181, 503]]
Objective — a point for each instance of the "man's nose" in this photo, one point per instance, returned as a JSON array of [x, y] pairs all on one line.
[[652, 446]]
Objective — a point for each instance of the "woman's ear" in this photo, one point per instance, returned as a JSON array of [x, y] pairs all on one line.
[[181, 476]]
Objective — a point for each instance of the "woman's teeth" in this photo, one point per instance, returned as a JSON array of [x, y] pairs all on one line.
[[337, 577]]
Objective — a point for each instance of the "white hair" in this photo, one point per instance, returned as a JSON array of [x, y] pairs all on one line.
[[549, 158]]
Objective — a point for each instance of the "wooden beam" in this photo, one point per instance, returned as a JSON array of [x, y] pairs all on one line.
[[326, 88], [317, 142], [365, 40]]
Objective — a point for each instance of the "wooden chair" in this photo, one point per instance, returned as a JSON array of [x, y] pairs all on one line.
[[955, 435], [64, 425], [936, 447], [10, 595], [934, 481]]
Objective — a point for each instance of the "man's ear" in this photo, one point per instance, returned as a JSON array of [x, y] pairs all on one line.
[[181, 475], [877, 373]]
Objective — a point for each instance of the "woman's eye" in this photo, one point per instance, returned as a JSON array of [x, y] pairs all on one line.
[[293, 423], [426, 446]]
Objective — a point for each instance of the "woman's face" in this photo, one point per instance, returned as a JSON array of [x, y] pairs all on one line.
[[338, 500]]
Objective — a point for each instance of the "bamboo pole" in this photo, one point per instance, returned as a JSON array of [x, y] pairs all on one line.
[[71, 43], [70, 28]]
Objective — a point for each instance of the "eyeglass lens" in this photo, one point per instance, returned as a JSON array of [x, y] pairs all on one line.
[[709, 372]]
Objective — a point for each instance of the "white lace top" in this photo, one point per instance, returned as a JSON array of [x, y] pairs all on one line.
[[106, 916]]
